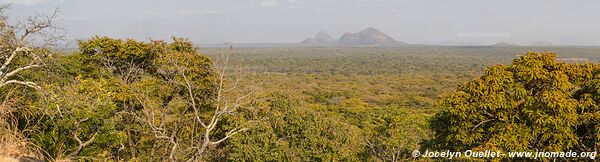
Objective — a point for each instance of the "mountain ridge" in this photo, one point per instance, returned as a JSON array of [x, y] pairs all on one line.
[[319, 38], [369, 36]]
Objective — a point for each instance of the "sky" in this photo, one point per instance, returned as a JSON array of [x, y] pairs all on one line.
[[563, 22]]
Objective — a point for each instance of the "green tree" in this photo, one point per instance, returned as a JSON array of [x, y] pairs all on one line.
[[130, 100], [290, 132], [532, 104], [395, 133], [24, 46]]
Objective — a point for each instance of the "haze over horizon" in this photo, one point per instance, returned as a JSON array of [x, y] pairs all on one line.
[[291, 21]]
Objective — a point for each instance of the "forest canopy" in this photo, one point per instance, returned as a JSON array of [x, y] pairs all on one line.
[[167, 100], [536, 103]]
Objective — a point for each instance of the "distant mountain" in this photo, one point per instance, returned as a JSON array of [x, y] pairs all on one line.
[[505, 44], [452, 43], [320, 38], [542, 44], [369, 36]]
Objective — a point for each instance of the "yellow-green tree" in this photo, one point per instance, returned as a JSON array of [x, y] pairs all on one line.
[[536, 103], [131, 100]]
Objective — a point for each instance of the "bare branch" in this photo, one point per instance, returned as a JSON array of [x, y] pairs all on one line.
[[229, 134], [8, 61], [17, 39], [28, 84], [485, 121], [190, 90], [81, 143]]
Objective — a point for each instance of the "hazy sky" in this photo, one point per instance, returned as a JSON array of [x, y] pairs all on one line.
[[251, 21]]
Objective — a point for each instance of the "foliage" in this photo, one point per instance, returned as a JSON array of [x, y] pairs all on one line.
[[125, 100], [294, 133], [104, 102], [536, 103]]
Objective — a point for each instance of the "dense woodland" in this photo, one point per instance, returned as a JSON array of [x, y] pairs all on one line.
[[167, 100]]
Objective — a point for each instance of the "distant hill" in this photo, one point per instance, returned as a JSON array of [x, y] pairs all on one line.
[[369, 36], [542, 44], [451, 43], [505, 44], [320, 38]]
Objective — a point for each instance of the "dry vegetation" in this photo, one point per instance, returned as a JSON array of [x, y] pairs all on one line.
[[125, 99]]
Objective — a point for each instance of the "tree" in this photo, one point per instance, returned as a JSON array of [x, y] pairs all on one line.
[[187, 70], [288, 131], [87, 127], [395, 134], [129, 59], [588, 128], [23, 46], [532, 104], [163, 101], [17, 53]]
